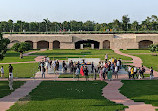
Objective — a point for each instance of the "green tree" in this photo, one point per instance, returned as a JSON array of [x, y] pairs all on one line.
[[135, 26], [21, 47], [153, 48], [125, 22], [3, 46]]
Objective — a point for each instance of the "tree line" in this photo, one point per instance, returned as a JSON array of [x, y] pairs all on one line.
[[149, 24]]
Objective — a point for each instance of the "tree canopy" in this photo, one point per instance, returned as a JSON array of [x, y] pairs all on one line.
[[149, 24], [3, 46]]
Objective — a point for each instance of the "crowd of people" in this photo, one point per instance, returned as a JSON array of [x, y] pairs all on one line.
[[134, 72]]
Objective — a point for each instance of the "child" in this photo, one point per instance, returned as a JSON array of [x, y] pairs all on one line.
[[151, 73]]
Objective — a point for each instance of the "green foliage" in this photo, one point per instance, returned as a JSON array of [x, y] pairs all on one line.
[[153, 48], [3, 46]]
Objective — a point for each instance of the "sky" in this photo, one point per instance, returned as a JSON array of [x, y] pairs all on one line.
[[101, 11]]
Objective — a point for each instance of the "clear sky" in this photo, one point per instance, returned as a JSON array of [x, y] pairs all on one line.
[[80, 10]]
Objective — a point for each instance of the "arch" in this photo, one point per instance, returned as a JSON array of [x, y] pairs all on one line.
[[30, 42], [42, 44], [15, 41], [56, 44], [106, 44], [144, 44], [87, 44]]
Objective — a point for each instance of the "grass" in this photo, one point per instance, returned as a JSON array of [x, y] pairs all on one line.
[[65, 54], [136, 51], [12, 56], [67, 96], [4, 88], [141, 91], [22, 70], [71, 76]]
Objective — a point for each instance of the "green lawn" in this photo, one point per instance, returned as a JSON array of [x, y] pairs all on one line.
[[141, 91], [136, 51], [67, 96], [12, 56], [22, 70], [64, 54], [4, 88]]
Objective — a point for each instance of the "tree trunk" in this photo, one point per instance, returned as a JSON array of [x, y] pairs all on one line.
[[21, 55]]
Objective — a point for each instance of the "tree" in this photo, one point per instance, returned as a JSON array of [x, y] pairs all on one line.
[[21, 47], [125, 22], [3, 46], [135, 26]]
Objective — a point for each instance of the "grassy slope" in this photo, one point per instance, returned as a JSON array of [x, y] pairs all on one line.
[[64, 54], [141, 91], [22, 70], [136, 51], [4, 88], [66, 96]]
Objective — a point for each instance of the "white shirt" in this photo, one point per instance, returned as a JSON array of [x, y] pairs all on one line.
[[129, 69], [135, 69], [116, 68], [118, 63], [2, 70]]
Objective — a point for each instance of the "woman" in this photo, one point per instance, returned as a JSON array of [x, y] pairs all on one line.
[[101, 73], [109, 76]]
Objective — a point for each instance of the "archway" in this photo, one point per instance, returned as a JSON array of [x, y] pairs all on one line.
[[144, 44], [87, 44], [42, 45], [56, 44], [15, 41], [31, 43], [106, 44]]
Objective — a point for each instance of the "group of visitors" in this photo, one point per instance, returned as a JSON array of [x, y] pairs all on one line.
[[109, 68], [134, 72]]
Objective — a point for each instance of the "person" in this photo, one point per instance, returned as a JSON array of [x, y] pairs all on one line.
[[112, 60], [139, 73], [43, 71], [135, 72], [46, 66], [86, 73], [10, 79], [143, 71], [116, 71], [71, 66], [132, 72], [57, 65], [101, 73], [106, 57], [63, 66], [104, 73], [129, 72], [92, 67], [151, 73], [10, 69], [118, 65], [77, 73], [2, 72], [54, 66], [78, 64], [109, 75]]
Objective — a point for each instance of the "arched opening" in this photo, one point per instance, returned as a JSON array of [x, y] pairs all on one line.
[[31, 43], [106, 44], [15, 41], [42, 45], [87, 44], [144, 44], [56, 44]]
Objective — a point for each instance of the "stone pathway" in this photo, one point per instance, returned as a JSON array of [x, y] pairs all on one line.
[[111, 92], [8, 101]]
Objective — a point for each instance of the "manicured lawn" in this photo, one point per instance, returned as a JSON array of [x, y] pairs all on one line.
[[136, 51], [12, 56], [141, 91], [67, 96], [4, 88], [71, 76], [22, 70], [64, 54]]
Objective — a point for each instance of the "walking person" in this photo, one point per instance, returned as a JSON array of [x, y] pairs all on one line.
[[63, 66], [106, 57], [151, 73], [77, 73], [57, 65], [118, 65], [135, 72], [92, 67], [43, 71], [143, 71], [129, 72], [86, 73], [104, 73], [101, 73], [139, 73], [116, 72], [2, 72], [10, 77], [132, 72]]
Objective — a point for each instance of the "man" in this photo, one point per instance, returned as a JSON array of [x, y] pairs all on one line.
[[10, 77], [135, 72], [143, 71], [2, 72]]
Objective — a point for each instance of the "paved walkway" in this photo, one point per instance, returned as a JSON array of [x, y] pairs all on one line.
[[111, 92], [8, 101]]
